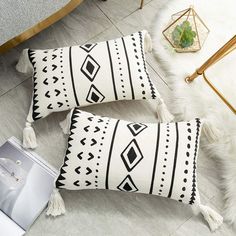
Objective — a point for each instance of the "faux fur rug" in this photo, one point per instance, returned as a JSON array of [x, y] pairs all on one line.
[[197, 99]]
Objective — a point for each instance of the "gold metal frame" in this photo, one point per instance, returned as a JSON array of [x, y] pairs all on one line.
[[189, 12], [40, 26], [222, 52]]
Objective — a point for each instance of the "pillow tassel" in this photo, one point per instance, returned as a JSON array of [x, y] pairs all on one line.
[[56, 205], [212, 133], [29, 137], [24, 65], [162, 111], [147, 43], [65, 124], [214, 219]]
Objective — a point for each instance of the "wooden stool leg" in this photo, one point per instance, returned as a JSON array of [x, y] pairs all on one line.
[[141, 4]]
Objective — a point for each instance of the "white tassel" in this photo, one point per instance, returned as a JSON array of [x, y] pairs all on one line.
[[212, 133], [214, 219], [24, 65], [29, 138], [56, 205], [65, 124], [147, 43], [162, 112]]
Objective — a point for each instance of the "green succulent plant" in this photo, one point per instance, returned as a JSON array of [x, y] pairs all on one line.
[[183, 35]]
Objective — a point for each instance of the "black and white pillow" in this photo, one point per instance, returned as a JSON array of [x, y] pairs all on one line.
[[105, 153], [69, 77]]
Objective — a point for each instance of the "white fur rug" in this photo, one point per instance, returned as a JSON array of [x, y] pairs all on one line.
[[197, 99]]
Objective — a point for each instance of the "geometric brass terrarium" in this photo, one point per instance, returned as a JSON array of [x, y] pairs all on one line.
[[186, 32]]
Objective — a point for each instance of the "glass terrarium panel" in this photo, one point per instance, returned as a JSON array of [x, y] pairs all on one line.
[[202, 29]]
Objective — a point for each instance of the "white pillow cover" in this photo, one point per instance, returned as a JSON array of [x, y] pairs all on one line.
[[159, 159], [107, 71]]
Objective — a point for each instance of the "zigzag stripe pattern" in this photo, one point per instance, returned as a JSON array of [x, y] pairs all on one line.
[[145, 68], [35, 114], [58, 182], [194, 185]]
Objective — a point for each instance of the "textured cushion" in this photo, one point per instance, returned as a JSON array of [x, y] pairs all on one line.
[[105, 153], [92, 73], [24, 15]]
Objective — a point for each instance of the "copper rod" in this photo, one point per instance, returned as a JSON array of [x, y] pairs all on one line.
[[219, 94], [223, 51]]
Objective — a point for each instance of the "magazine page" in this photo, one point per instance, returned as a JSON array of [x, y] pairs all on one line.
[[34, 156], [9, 227], [25, 185]]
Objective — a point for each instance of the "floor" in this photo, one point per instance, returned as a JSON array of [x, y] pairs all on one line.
[[103, 212]]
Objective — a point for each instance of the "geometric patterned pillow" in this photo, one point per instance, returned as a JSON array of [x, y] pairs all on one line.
[[74, 76], [106, 153]]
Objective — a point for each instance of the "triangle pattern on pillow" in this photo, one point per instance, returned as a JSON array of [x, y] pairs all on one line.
[[58, 183]]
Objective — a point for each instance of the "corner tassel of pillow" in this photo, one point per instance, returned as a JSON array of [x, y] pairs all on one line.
[[29, 137], [56, 205], [162, 111], [212, 133], [147, 43], [24, 65], [65, 124], [214, 219]]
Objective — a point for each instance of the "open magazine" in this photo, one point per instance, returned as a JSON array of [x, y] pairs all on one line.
[[26, 183]]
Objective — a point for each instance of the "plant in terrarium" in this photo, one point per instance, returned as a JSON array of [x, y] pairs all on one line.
[[183, 35]]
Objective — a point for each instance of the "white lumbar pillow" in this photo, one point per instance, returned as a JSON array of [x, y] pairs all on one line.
[[106, 153], [69, 77]]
